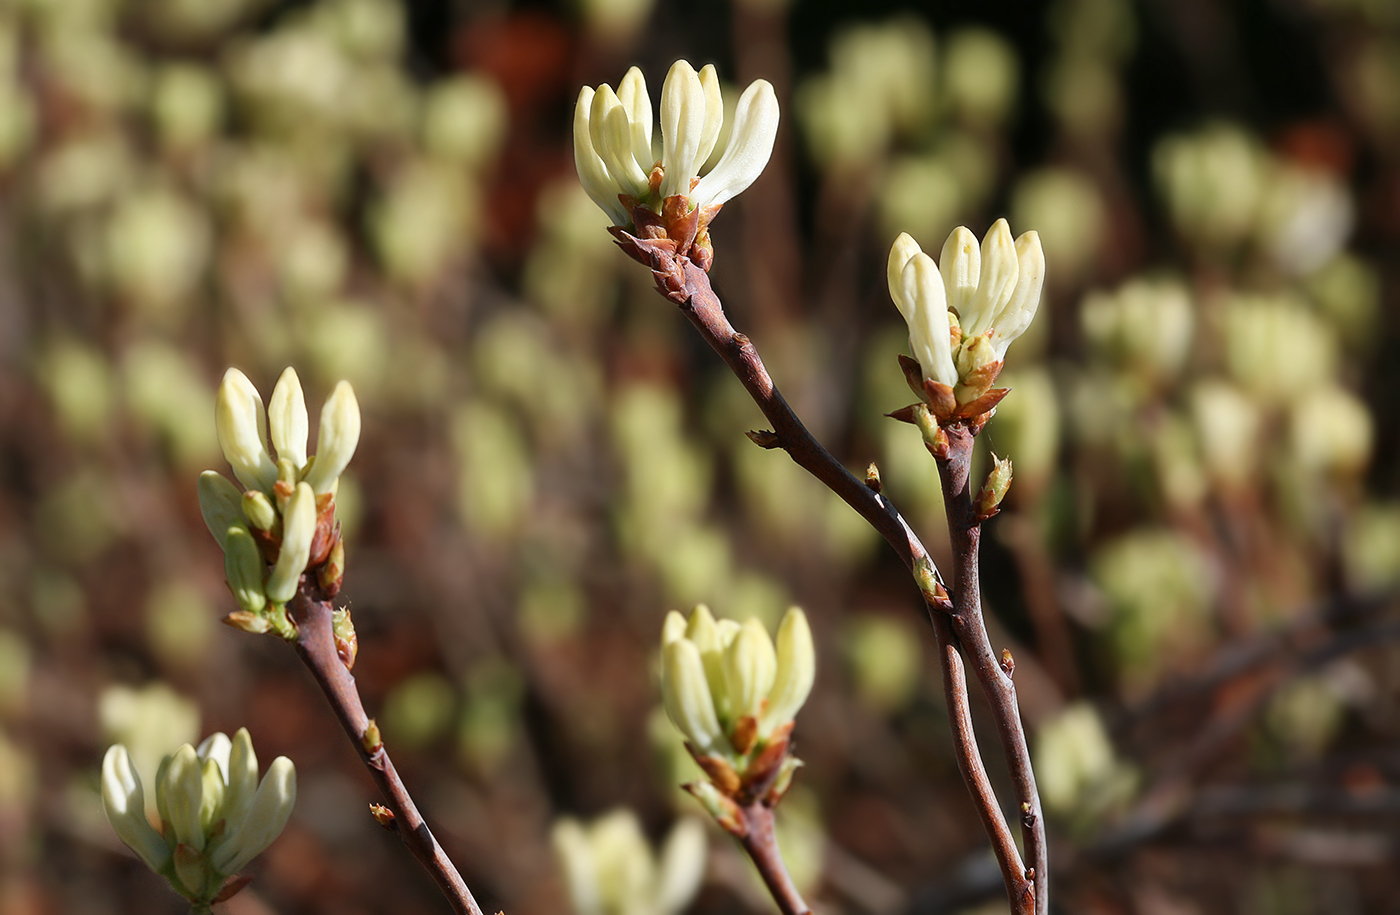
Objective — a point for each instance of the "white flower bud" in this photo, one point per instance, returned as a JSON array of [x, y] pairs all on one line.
[[125, 804], [686, 695], [242, 429], [298, 529], [335, 444], [288, 422], [750, 665], [266, 817], [797, 670]]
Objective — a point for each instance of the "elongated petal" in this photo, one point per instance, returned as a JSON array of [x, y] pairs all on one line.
[[686, 695], [125, 804], [242, 429], [901, 251], [337, 439], [212, 798], [1000, 270], [632, 93], [217, 747], [271, 808], [298, 529], [960, 264], [750, 146], [704, 632], [1025, 298], [611, 133], [682, 127], [673, 628], [575, 854], [797, 670], [592, 172], [220, 503], [714, 116], [184, 795], [287, 420], [928, 330], [750, 664], [681, 867]]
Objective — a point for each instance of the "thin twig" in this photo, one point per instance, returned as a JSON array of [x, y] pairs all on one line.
[[965, 531], [689, 287], [762, 847], [315, 645]]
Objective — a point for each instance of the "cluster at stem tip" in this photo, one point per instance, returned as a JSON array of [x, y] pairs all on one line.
[[733, 694], [963, 312], [282, 523], [215, 815], [665, 200]]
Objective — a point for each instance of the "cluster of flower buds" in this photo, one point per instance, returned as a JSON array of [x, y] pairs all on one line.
[[283, 522], [963, 312], [666, 202], [215, 816], [733, 696], [611, 869]]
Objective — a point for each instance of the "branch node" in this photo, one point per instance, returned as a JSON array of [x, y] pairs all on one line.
[[764, 438]]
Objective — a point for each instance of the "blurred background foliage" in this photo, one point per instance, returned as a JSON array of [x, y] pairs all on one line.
[[1196, 570]]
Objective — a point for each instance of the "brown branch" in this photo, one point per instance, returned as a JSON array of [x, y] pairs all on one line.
[[965, 531], [689, 287], [315, 644], [761, 845]]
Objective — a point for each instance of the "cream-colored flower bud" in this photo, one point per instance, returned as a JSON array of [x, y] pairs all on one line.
[[916, 286], [750, 146], [960, 263], [220, 503], [673, 628], [683, 101], [298, 530], [750, 665], [612, 140], [287, 419], [796, 672], [125, 804], [686, 695], [1020, 309], [681, 866], [259, 510], [704, 631], [995, 282], [242, 429], [336, 442], [267, 816], [180, 790], [592, 170]]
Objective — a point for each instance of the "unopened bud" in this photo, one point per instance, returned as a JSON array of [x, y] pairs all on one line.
[[287, 419], [371, 739], [242, 429], [750, 665], [347, 644], [686, 695], [994, 490], [872, 478], [335, 444], [332, 572], [796, 671], [298, 529], [257, 508], [382, 815]]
